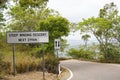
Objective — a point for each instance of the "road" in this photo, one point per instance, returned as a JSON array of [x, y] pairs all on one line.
[[83, 70]]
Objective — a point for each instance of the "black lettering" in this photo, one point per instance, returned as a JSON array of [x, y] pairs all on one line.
[[58, 44], [25, 35], [19, 39], [39, 34], [13, 35], [32, 39], [22, 39]]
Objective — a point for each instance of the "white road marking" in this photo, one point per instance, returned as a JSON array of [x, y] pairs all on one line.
[[71, 74]]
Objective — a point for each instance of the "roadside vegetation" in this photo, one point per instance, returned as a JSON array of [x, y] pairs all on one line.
[[31, 15], [106, 29], [83, 54]]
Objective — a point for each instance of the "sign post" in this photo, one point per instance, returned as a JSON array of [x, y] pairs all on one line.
[[57, 48], [14, 60], [43, 61], [28, 37]]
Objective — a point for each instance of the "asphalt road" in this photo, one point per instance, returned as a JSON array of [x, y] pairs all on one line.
[[83, 70]]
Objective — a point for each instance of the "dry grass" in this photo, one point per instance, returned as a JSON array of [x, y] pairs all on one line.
[[28, 67]]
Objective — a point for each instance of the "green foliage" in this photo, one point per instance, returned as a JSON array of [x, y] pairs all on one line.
[[116, 30], [2, 7], [74, 53], [23, 19], [3, 3], [100, 28], [113, 54], [51, 63], [110, 13], [32, 3], [85, 38], [105, 28], [1, 36], [26, 14], [63, 45], [81, 53], [57, 27], [4, 66], [95, 25], [36, 52]]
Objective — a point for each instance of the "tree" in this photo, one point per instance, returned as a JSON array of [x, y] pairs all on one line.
[[63, 44], [100, 29], [57, 27], [2, 7], [110, 13], [85, 38], [26, 14], [103, 27], [2, 21], [2, 24], [116, 33], [32, 3]]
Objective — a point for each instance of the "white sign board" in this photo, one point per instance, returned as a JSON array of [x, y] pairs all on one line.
[[27, 37], [57, 43]]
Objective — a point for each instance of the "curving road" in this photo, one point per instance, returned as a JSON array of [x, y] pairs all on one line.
[[83, 70]]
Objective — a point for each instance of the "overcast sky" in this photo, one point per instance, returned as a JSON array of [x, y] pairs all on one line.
[[75, 10]]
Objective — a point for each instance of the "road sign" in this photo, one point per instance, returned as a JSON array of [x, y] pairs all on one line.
[[57, 44], [57, 48], [28, 37]]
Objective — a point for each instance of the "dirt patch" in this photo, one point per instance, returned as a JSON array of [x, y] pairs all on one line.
[[39, 76], [32, 76]]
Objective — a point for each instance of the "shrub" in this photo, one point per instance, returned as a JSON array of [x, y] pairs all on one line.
[[74, 53], [51, 63], [81, 53], [37, 52], [4, 68], [112, 54], [28, 64]]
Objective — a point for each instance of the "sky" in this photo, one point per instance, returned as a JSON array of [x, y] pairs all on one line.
[[75, 10]]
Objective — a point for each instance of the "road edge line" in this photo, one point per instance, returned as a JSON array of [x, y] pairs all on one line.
[[71, 73]]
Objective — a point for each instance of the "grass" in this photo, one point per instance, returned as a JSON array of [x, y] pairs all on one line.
[[26, 62]]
